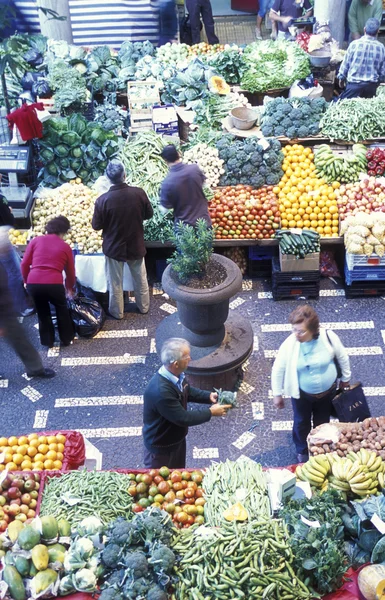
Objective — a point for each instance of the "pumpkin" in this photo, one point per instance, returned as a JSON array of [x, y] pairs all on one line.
[[371, 582], [237, 512], [219, 85]]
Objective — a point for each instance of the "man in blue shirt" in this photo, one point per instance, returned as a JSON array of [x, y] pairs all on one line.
[[363, 67], [283, 12]]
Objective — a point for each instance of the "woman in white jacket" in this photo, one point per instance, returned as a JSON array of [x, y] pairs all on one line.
[[305, 369]]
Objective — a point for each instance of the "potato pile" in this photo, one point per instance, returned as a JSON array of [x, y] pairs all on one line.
[[75, 201], [369, 434], [237, 255]]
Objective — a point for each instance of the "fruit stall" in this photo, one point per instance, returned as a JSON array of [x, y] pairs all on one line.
[[312, 531]]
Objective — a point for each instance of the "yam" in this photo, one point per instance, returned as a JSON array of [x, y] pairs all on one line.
[[326, 447], [366, 423], [377, 446], [340, 453]]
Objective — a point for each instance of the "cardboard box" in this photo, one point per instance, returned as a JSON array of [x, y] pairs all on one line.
[[280, 484], [290, 263], [165, 119]]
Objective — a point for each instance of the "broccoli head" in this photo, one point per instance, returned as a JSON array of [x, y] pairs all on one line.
[[257, 180], [223, 153], [296, 114], [262, 170], [314, 129], [162, 560], [122, 532], [232, 151], [270, 159], [111, 593], [279, 131], [267, 129], [248, 147], [319, 103], [111, 556], [306, 112], [233, 165], [275, 145], [136, 589], [156, 593], [285, 123], [303, 131], [291, 133], [137, 563], [272, 179], [241, 157], [256, 158], [115, 578], [247, 169], [285, 109]]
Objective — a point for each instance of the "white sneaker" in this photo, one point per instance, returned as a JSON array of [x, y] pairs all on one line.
[[258, 33]]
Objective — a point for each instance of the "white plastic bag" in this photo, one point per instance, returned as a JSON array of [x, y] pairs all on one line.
[[297, 92]]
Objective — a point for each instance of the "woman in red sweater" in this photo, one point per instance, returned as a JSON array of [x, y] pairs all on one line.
[[42, 268]]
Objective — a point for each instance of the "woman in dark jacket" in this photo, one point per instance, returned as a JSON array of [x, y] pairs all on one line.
[[42, 267]]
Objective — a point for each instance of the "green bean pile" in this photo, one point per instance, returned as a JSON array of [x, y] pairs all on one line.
[[101, 494], [144, 166], [354, 120], [230, 482], [237, 561]]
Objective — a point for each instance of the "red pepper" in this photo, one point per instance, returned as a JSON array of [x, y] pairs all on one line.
[[379, 171], [372, 173], [372, 164], [382, 164], [369, 154]]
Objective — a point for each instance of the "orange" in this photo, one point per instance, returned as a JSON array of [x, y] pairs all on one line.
[[27, 465], [42, 439], [52, 447], [33, 436], [59, 455], [23, 449], [8, 457], [60, 447], [32, 451], [292, 223], [3, 442], [314, 223], [57, 464], [23, 440], [333, 209], [18, 459], [11, 466], [51, 439], [43, 448], [39, 457], [306, 223], [12, 441], [335, 230], [284, 222], [51, 455], [327, 229], [48, 464], [33, 443], [38, 466], [61, 438]]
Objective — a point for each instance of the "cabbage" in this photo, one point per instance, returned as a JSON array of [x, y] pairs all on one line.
[[68, 175], [61, 150], [52, 169], [76, 152], [46, 154], [71, 138], [64, 163], [66, 586], [76, 164], [84, 580]]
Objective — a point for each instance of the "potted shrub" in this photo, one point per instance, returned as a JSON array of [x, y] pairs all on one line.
[[201, 283]]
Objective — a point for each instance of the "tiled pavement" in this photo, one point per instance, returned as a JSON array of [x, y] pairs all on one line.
[[99, 384]]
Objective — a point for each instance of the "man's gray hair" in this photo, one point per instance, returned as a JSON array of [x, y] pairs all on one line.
[[172, 350], [115, 172], [372, 26]]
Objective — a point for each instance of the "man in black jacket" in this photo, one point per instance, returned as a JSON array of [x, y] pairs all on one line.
[[165, 415], [120, 213]]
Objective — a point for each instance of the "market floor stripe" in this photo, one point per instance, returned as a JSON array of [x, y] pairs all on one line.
[[98, 401], [41, 417], [359, 351], [102, 360], [110, 432], [323, 293], [275, 327], [121, 333], [282, 425], [374, 391]]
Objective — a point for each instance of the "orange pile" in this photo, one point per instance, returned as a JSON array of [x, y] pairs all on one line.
[[33, 452], [306, 201]]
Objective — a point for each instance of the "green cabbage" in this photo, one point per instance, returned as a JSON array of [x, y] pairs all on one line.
[[61, 150], [76, 152], [71, 138], [46, 154]]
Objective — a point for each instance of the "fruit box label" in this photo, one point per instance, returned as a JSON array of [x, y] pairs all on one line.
[[378, 523]]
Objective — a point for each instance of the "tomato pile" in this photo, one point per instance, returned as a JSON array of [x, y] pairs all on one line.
[[177, 492], [240, 212]]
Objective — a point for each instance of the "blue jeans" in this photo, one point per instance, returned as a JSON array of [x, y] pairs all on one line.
[[304, 408], [11, 262], [264, 7]]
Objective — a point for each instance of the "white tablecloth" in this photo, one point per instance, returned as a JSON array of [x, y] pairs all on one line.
[[91, 272]]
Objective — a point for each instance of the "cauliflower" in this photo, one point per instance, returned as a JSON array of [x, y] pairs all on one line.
[[354, 248], [379, 249], [364, 219], [378, 231], [360, 230], [368, 249]]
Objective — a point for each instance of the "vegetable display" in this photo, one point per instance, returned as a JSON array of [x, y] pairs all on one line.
[[228, 64], [354, 120], [235, 481], [346, 168], [18, 498], [292, 118], [177, 492], [214, 108], [370, 434], [365, 196], [240, 212], [73, 147], [271, 65], [75, 201], [79, 494], [250, 161], [207, 158], [364, 233], [188, 84], [306, 202], [299, 243], [213, 563]]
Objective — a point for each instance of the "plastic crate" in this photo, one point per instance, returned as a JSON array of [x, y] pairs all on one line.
[[364, 274], [361, 260], [261, 253], [259, 268], [360, 289], [293, 277], [160, 266], [282, 292]]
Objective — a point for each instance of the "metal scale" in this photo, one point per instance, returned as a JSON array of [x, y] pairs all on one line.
[[14, 161]]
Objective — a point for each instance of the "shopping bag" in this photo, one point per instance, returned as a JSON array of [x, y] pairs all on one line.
[[350, 405], [87, 315]]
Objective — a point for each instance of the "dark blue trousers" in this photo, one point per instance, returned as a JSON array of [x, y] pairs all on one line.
[[304, 408], [359, 90], [196, 8]]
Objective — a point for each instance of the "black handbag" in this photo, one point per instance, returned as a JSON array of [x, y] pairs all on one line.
[[350, 405]]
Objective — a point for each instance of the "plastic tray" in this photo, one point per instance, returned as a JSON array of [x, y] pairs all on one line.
[[359, 289], [361, 260], [364, 274]]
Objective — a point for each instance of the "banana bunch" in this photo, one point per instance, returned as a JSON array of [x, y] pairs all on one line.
[[359, 472], [345, 169], [314, 471]]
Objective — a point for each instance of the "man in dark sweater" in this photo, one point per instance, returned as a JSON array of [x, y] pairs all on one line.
[[182, 189], [165, 415], [120, 213]]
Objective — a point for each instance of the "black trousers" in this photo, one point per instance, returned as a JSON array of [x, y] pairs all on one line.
[[43, 294], [14, 333], [359, 90], [175, 458], [196, 8], [304, 408]]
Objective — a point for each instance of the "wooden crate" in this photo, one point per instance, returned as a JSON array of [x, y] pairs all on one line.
[[142, 95]]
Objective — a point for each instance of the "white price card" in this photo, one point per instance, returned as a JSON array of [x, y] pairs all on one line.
[[264, 143], [310, 523], [378, 523]]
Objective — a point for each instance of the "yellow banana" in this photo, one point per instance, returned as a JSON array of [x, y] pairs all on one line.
[[381, 480], [318, 467], [354, 470], [313, 471], [322, 462], [371, 460], [357, 479], [339, 484], [315, 480], [376, 464], [365, 485], [364, 456]]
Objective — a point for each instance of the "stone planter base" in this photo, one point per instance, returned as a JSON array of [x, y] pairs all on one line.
[[213, 366]]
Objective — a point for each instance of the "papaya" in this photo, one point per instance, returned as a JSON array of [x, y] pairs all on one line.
[[218, 85], [9, 558], [33, 570], [64, 528], [49, 527], [237, 512], [15, 583], [14, 529], [56, 553], [43, 580], [40, 557], [28, 538], [23, 565]]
